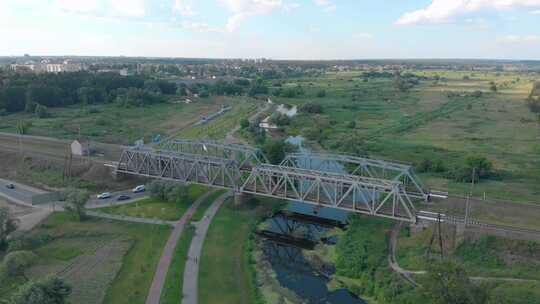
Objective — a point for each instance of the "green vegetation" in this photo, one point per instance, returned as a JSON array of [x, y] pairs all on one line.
[[384, 116], [113, 261], [222, 267], [8, 224], [157, 208], [75, 202], [199, 213], [172, 290], [362, 261], [48, 290], [487, 256]]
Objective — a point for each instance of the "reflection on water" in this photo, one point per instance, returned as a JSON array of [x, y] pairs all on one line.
[[293, 270]]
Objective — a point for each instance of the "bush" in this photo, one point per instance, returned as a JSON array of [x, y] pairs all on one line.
[[50, 290], [244, 123], [479, 165], [16, 262], [321, 93], [351, 124], [312, 108]]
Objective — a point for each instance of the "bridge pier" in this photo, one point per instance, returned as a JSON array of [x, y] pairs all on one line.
[[241, 198]]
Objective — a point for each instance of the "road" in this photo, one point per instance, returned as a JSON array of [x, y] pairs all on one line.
[[95, 203], [22, 194], [191, 271]]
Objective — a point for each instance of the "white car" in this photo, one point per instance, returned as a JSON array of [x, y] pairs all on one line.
[[140, 188], [104, 195]]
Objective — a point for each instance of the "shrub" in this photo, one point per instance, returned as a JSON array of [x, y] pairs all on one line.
[[312, 108]]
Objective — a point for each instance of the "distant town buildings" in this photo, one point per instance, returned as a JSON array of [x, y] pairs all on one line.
[[46, 66]]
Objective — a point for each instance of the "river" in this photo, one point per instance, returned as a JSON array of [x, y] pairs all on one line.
[[287, 244]]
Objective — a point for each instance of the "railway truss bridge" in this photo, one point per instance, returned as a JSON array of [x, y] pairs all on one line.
[[363, 185]]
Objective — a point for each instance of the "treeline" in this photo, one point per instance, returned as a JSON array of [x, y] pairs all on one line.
[[24, 91], [533, 101], [34, 93]]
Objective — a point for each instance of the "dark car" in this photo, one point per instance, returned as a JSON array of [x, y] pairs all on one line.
[[123, 197], [10, 186]]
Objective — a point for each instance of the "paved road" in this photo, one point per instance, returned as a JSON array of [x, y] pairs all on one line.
[[22, 194], [168, 252], [191, 272], [95, 203]]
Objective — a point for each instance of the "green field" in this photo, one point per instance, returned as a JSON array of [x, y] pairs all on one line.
[[155, 208], [435, 120], [109, 262], [487, 256], [224, 276], [112, 123]]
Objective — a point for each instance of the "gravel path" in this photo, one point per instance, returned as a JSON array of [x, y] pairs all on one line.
[[191, 272]]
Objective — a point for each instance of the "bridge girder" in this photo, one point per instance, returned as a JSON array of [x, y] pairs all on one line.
[[180, 167], [246, 157], [361, 166], [358, 194], [241, 169]]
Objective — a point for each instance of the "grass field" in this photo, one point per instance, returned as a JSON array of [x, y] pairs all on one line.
[[223, 273], [434, 120], [487, 256], [172, 290], [107, 262], [157, 209], [114, 124], [218, 128]]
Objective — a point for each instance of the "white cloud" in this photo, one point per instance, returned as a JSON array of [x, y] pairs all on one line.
[[362, 36], [183, 8], [128, 8], [200, 27], [519, 40], [441, 11], [241, 10], [83, 7], [291, 6], [537, 12], [327, 5]]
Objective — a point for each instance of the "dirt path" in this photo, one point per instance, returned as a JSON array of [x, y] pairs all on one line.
[[191, 272], [407, 274], [168, 252]]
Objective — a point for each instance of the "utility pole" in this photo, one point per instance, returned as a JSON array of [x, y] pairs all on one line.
[[468, 205]]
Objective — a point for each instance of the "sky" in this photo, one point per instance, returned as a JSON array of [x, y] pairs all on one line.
[[276, 29]]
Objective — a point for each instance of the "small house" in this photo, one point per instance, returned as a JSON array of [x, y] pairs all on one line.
[[81, 147]]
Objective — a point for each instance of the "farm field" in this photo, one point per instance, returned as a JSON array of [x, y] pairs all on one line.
[[436, 120], [155, 208], [106, 262], [110, 123]]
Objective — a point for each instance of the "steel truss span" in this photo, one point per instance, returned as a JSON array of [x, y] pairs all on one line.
[[244, 170], [362, 166], [348, 192]]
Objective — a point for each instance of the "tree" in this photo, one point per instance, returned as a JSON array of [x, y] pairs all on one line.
[[244, 123], [493, 87], [447, 283], [50, 290], [16, 262], [8, 224], [157, 189], [321, 93], [41, 111], [275, 150], [75, 201], [312, 108]]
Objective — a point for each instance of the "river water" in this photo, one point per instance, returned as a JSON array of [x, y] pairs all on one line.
[[305, 225]]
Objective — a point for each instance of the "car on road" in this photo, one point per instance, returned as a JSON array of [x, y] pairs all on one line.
[[139, 188], [123, 197], [10, 186], [104, 195]]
